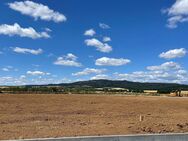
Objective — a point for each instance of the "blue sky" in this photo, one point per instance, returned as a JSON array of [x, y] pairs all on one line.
[[63, 41]]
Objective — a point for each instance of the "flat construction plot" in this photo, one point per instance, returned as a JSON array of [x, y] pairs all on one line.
[[43, 116]]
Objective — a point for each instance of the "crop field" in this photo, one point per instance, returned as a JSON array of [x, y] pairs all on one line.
[[38, 116]]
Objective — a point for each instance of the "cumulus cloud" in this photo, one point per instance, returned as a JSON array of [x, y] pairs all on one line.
[[175, 53], [104, 26], [165, 66], [177, 13], [36, 73], [88, 71], [26, 51], [37, 11], [106, 39], [153, 76], [68, 60], [100, 76], [105, 61], [102, 47], [90, 32], [16, 29], [169, 72], [32, 80], [177, 76]]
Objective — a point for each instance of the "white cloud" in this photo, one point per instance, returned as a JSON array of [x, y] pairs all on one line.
[[32, 80], [37, 11], [5, 80], [182, 72], [26, 51], [71, 56], [90, 32], [102, 47], [5, 69], [88, 71], [105, 61], [179, 7], [178, 13], [175, 53], [152, 76], [100, 76], [9, 80], [179, 76], [16, 29], [172, 21], [165, 66], [168, 72], [106, 39], [36, 73], [9, 68], [22, 76], [48, 29], [104, 26], [68, 60]]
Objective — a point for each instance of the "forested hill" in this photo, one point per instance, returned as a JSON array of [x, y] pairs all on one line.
[[125, 84]]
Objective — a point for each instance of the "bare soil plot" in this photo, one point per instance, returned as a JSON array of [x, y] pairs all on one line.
[[34, 116]]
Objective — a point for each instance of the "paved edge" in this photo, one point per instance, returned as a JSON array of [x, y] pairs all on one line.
[[104, 136]]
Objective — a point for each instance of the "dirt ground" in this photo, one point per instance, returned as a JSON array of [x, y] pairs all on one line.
[[38, 116]]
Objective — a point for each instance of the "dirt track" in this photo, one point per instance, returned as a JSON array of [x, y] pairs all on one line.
[[33, 116]]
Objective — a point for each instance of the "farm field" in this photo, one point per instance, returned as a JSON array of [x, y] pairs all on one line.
[[38, 116]]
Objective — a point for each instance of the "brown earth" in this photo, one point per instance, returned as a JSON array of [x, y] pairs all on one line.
[[37, 116]]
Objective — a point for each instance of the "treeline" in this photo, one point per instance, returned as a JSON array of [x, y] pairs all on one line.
[[61, 90], [30, 90], [72, 90], [88, 87], [46, 90]]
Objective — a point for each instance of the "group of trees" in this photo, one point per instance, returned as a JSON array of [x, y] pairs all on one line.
[[68, 90], [30, 90]]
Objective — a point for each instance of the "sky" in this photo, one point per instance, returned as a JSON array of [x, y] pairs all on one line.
[[62, 41]]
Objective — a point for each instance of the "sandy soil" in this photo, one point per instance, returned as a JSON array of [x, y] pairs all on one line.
[[34, 116]]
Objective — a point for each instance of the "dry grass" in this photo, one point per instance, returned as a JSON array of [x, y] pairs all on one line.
[[33, 116]]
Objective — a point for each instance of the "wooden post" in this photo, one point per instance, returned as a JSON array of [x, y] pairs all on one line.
[[141, 118]]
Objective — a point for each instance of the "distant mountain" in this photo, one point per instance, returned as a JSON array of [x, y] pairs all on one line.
[[125, 84]]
